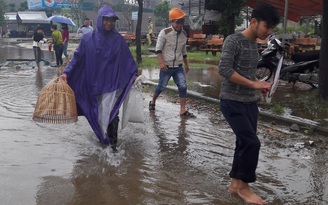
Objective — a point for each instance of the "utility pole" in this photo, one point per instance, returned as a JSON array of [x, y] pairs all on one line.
[[189, 7]]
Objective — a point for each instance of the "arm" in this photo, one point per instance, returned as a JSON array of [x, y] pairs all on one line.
[[78, 58], [257, 85], [226, 70], [161, 62], [159, 47], [78, 31], [185, 60]]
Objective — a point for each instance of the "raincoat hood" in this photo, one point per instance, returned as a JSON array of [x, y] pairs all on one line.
[[101, 74], [107, 12]]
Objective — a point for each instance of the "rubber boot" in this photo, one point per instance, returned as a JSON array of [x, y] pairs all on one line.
[[112, 130]]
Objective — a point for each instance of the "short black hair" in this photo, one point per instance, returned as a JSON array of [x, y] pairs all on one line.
[[266, 12], [54, 26], [86, 19]]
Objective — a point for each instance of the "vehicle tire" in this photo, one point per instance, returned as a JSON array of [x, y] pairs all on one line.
[[263, 73]]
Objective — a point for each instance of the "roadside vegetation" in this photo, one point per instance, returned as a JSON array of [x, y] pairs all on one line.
[[197, 59]]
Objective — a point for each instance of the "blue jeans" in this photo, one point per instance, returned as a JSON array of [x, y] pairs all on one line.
[[65, 49], [242, 118], [179, 78]]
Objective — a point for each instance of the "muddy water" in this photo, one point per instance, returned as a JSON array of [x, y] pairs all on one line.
[[165, 160], [297, 99]]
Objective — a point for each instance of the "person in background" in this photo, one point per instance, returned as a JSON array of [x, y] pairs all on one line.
[[101, 74], [38, 37], [238, 98], [171, 53], [85, 28], [65, 36], [150, 32], [57, 43]]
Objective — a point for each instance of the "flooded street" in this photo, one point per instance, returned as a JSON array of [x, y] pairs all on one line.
[[165, 160]]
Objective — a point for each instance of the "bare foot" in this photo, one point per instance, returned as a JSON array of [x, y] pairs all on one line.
[[248, 195], [233, 188]]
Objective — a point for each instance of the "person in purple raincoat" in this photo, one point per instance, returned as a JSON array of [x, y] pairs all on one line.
[[101, 73]]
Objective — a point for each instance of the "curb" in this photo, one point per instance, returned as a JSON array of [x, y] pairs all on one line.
[[290, 119]]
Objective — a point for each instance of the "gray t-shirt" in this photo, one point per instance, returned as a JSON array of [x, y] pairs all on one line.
[[240, 55]]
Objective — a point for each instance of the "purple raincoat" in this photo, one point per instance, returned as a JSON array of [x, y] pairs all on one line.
[[101, 73]]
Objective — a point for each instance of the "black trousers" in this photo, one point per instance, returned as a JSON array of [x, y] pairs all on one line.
[[112, 130], [59, 52], [242, 118]]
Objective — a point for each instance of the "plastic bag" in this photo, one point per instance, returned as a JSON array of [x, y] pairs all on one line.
[[132, 109]]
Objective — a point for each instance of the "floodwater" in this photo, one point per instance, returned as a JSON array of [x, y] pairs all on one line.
[[297, 99], [165, 160]]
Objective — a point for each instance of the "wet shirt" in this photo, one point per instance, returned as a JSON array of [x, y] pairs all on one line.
[[84, 30], [65, 35], [240, 55], [37, 37], [172, 45], [56, 37]]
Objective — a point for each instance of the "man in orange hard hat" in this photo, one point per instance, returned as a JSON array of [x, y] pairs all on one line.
[[171, 53]]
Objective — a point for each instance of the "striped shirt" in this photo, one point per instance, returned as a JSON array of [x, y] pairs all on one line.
[[240, 55]]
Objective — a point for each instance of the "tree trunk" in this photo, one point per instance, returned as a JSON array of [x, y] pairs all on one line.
[[138, 32], [323, 61]]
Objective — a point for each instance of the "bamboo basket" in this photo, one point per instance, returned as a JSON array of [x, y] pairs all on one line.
[[56, 103]]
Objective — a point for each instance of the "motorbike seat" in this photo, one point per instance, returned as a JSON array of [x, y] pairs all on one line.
[[306, 56]]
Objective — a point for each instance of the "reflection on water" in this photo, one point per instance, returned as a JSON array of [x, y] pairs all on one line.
[[165, 160], [298, 98]]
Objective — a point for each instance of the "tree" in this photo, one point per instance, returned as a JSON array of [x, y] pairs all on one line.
[[23, 6], [3, 7], [77, 12], [230, 11], [323, 61], [138, 32], [126, 10], [161, 11], [12, 7]]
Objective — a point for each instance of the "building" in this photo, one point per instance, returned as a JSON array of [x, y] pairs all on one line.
[[24, 23]]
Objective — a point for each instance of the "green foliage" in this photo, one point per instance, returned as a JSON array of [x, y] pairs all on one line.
[[230, 11], [161, 11], [3, 7], [278, 109], [12, 7], [77, 12], [23, 6], [291, 29], [197, 59]]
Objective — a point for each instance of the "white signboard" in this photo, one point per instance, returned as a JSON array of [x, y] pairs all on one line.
[[134, 15]]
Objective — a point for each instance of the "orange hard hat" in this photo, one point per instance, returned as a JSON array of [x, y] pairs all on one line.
[[175, 14]]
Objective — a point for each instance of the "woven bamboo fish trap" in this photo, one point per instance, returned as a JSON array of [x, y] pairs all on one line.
[[56, 103]]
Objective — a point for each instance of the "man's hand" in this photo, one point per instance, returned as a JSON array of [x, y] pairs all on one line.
[[186, 69], [163, 67], [262, 85], [64, 77]]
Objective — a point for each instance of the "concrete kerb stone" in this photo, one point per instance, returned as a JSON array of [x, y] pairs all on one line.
[[285, 119]]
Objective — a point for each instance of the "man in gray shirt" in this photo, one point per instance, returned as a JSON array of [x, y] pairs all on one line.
[[85, 28], [238, 99]]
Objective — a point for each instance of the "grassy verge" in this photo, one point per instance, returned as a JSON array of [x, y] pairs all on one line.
[[197, 59]]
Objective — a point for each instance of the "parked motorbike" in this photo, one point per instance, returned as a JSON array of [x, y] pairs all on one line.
[[303, 67]]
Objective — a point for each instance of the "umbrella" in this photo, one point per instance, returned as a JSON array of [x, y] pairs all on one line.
[[61, 19]]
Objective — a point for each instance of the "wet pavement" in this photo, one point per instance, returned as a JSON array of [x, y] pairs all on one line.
[[165, 160]]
